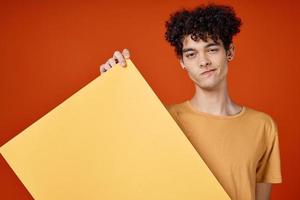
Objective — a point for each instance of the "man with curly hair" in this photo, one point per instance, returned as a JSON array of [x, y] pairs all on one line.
[[238, 144]]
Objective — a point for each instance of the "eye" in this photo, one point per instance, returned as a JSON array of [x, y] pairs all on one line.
[[213, 50], [190, 55]]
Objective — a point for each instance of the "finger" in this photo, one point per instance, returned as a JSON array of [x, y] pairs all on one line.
[[111, 62], [102, 69], [126, 53], [119, 57], [106, 67]]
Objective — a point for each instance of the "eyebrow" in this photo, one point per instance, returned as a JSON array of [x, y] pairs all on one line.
[[206, 46]]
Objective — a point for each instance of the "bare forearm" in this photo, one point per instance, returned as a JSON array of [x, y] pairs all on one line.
[[263, 191]]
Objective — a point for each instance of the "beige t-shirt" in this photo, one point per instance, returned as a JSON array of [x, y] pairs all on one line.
[[240, 150]]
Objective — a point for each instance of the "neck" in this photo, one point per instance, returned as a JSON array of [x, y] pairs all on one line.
[[215, 101]]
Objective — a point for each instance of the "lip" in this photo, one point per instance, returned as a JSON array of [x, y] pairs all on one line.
[[207, 71]]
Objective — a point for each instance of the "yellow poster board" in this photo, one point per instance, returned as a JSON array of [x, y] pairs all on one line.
[[112, 140]]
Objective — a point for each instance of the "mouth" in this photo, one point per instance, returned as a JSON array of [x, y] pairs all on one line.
[[208, 72]]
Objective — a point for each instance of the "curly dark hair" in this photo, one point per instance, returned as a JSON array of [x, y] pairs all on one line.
[[203, 22]]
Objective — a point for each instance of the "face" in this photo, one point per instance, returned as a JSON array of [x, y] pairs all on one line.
[[206, 62]]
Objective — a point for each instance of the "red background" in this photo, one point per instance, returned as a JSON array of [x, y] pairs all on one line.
[[51, 49]]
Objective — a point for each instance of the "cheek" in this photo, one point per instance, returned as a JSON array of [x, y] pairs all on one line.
[[222, 65], [222, 70], [193, 72]]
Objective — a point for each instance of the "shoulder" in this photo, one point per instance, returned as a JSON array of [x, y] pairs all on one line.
[[175, 109], [263, 120]]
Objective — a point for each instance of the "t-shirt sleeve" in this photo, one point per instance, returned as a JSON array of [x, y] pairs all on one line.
[[269, 169]]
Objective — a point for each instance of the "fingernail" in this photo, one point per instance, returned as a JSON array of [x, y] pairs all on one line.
[[123, 63]]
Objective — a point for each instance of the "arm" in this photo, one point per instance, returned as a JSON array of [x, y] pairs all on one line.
[[262, 191]]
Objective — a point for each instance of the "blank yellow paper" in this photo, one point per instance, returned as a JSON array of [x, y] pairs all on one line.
[[112, 140]]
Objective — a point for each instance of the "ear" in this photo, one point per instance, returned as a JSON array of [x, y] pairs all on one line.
[[230, 52], [182, 64]]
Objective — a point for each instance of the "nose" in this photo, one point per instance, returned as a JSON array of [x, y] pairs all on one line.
[[204, 61]]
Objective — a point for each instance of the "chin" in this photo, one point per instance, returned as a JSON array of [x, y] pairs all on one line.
[[207, 87]]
